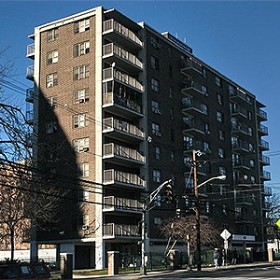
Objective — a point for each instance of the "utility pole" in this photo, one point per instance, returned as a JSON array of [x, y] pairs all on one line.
[[197, 211]]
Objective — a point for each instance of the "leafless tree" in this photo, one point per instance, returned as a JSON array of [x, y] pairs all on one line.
[[184, 228]]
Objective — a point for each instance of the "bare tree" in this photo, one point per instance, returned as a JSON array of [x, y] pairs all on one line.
[[273, 231], [184, 229]]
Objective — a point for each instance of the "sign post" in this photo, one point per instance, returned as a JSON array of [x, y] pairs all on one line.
[[225, 235]]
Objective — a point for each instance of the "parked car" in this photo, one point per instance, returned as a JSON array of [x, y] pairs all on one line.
[[24, 271]]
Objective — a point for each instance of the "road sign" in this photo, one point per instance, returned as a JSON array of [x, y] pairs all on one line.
[[225, 234], [278, 223]]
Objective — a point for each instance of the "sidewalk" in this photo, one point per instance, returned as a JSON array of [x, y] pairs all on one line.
[[155, 274]]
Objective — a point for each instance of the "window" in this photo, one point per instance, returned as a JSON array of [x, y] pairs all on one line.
[[81, 72], [172, 156], [84, 169], [222, 135], [52, 35], [218, 81], [252, 163], [204, 108], [156, 176], [223, 190], [220, 117], [51, 102], [206, 147], [51, 127], [222, 170], [156, 129], [221, 152], [231, 90], [249, 113], [81, 145], [52, 80], [80, 121], [154, 42], [154, 62], [204, 90], [52, 57], [250, 131], [81, 49], [155, 85], [155, 107], [253, 180], [224, 209], [81, 95], [220, 99], [81, 26], [171, 92], [157, 153]]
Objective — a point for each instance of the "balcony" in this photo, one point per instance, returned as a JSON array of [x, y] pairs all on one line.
[[123, 179], [193, 88], [29, 117], [241, 164], [195, 127], [123, 59], [122, 130], [244, 219], [192, 105], [239, 112], [29, 95], [127, 106], [196, 145], [116, 32], [111, 73], [241, 129], [264, 145], [30, 53], [266, 176], [267, 191], [112, 203], [262, 115], [265, 160], [242, 147], [113, 230], [267, 206], [263, 130], [30, 72], [244, 200], [122, 155], [191, 67], [240, 95]]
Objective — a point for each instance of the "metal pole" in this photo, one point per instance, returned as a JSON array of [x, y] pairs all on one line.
[[197, 212], [143, 270]]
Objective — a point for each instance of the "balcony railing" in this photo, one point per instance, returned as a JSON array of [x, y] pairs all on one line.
[[265, 160], [239, 111], [121, 151], [30, 72], [266, 175], [115, 230], [110, 124], [237, 93], [112, 176], [29, 95], [192, 66], [243, 145], [264, 144], [193, 86], [109, 99], [241, 128], [196, 145], [267, 191], [191, 103], [30, 50], [244, 200], [262, 114], [29, 117], [112, 25], [263, 129], [113, 203], [196, 125], [110, 73], [111, 49]]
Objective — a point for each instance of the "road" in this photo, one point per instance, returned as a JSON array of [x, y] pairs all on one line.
[[267, 273]]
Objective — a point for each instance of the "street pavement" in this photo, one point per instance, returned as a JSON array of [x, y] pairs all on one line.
[[173, 274]]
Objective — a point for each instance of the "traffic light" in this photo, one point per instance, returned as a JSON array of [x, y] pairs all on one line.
[[168, 193]]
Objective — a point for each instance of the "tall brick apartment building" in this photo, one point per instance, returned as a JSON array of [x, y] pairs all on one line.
[[119, 108]]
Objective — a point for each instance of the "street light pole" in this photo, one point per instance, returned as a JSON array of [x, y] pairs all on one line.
[[197, 201], [145, 209]]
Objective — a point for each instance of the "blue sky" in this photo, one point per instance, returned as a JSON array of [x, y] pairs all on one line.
[[240, 39]]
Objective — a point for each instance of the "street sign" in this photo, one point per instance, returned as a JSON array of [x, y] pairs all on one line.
[[225, 234], [278, 223]]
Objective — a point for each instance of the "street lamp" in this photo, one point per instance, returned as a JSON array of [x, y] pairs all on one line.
[[197, 214], [145, 209]]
